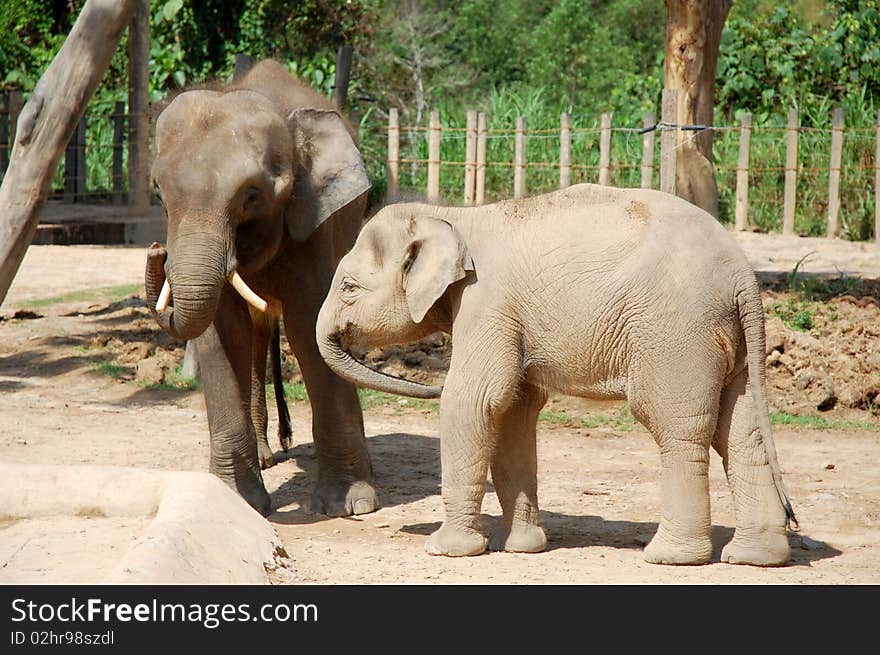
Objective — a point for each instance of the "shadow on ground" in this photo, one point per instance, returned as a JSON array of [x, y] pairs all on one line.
[[416, 455]]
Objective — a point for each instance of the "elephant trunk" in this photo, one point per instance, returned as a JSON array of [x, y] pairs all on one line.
[[350, 369], [196, 275]]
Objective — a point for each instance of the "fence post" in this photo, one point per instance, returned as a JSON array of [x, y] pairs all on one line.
[[648, 120], [343, 74], [393, 155], [4, 133], [480, 191], [75, 164], [605, 151], [118, 143], [741, 212], [434, 157], [519, 159], [877, 186], [470, 157], [834, 171], [564, 150], [138, 103], [668, 116], [791, 167]]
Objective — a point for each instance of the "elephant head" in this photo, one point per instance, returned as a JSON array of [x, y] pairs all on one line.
[[234, 172], [386, 291]]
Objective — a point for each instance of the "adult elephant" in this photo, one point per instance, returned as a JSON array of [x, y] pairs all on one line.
[[264, 190]]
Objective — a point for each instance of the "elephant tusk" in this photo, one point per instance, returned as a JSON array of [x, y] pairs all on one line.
[[246, 292], [164, 297]]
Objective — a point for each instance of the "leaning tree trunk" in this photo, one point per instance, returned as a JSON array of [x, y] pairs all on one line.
[[693, 35], [56, 105]]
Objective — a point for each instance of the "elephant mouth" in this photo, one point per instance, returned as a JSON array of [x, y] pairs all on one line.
[[235, 280], [345, 365]]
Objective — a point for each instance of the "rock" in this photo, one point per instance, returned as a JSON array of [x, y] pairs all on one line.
[[788, 362], [375, 355], [150, 371], [435, 340], [99, 341], [773, 359], [433, 363], [854, 398], [134, 352], [415, 358], [776, 334], [822, 393], [804, 378]]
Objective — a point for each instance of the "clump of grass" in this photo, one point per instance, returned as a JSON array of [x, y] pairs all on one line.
[[101, 294], [795, 315], [820, 423], [175, 380], [112, 369], [622, 421]]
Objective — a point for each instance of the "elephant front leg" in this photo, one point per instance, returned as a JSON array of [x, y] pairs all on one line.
[[224, 356], [515, 476], [467, 429], [344, 484]]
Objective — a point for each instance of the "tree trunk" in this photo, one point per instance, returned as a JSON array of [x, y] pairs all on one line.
[[693, 35], [47, 121]]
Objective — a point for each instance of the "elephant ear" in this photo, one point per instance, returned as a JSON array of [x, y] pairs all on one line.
[[329, 171], [437, 257]]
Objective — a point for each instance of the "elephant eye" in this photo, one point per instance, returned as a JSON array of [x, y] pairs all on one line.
[[348, 285], [251, 196]]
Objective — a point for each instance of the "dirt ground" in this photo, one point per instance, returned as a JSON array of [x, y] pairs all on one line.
[[73, 390]]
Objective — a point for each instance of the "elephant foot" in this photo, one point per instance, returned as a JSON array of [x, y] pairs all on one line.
[[255, 494], [768, 548], [344, 498], [267, 457], [454, 541], [665, 548], [522, 538]]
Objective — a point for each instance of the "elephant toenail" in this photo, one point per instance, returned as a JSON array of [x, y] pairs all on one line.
[[363, 506]]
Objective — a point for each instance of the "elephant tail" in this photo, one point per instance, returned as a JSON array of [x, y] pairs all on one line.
[[285, 431], [751, 316]]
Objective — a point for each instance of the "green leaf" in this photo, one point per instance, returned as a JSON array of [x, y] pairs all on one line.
[[180, 77], [169, 11]]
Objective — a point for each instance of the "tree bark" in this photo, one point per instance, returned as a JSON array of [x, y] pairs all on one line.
[[693, 36], [47, 121]]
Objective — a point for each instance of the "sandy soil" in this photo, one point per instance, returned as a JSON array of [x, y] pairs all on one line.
[[598, 486]]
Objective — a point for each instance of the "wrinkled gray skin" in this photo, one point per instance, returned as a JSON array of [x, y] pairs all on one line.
[[264, 178], [594, 292]]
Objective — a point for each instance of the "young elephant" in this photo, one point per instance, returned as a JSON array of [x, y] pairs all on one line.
[[590, 291]]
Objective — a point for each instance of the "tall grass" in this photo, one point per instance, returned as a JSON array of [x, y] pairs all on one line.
[[767, 151]]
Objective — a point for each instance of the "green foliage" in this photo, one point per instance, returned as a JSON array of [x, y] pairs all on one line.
[[772, 57], [795, 314]]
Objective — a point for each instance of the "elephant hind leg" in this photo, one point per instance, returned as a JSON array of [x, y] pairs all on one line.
[[515, 476], [760, 537], [260, 346], [285, 429], [682, 419]]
